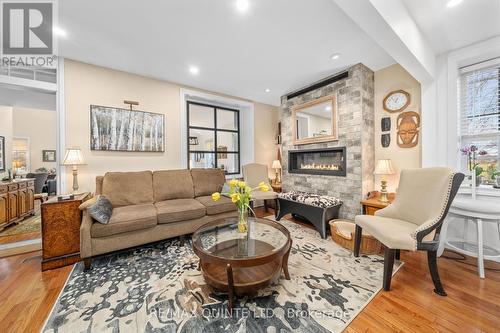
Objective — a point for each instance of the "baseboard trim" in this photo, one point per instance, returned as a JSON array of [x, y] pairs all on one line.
[[11, 249]]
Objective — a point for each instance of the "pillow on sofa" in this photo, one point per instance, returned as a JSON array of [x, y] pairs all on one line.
[[101, 210]]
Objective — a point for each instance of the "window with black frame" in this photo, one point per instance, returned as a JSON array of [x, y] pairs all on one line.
[[213, 137]]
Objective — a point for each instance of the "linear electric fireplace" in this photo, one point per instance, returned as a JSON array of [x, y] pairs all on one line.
[[324, 161]]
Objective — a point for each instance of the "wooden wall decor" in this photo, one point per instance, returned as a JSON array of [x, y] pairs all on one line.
[[385, 124], [408, 124], [385, 140]]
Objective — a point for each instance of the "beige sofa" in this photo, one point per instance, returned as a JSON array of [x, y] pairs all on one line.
[[152, 206]]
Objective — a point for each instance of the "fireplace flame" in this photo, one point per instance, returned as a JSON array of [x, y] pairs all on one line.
[[314, 166]]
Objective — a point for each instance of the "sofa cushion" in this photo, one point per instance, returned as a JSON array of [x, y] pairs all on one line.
[[207, 181], [172, 184], [179, 210], [128, 188], [126, 219], [222, 205]]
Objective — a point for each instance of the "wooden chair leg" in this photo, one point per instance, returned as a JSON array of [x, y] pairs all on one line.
[[388, 266], [357, 240], [87, 263], [265, 206], [432, 261]]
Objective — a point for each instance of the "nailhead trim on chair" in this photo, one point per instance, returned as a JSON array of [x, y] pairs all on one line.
[[443, 209]]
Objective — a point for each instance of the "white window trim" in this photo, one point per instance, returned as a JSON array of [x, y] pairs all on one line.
[[246, 123], [455, 60]]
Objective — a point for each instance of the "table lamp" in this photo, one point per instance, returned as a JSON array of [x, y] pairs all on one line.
[[276, 166], [383, 168], [74, 158]]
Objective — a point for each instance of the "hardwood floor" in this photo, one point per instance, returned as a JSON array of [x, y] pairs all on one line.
[[472, 305]]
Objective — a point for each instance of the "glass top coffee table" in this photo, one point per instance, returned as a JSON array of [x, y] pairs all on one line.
[[241, 263]]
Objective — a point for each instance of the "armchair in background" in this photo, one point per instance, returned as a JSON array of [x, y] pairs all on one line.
[[254, 174]]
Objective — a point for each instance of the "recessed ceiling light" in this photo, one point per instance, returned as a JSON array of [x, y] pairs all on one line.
[[267, 90], [242, 5], [59, 32], [194, 70], [335, 56], [453, 3], [328, 108]]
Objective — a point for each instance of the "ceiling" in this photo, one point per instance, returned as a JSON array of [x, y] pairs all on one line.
[[279, 45], [448, 29], [11, 95]]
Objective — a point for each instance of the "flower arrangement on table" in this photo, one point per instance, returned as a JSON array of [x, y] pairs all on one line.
[[472, 153], [240, 194]]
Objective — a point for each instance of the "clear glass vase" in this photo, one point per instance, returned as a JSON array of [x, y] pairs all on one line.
[[243, 219]]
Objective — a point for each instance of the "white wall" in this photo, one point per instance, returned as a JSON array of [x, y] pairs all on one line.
[[6, 131], [40, 127]]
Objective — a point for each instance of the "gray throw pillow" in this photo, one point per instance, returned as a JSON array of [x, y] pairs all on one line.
[[102, 209]]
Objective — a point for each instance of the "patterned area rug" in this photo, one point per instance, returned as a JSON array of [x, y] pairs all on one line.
[[29, 225], [157, 288]]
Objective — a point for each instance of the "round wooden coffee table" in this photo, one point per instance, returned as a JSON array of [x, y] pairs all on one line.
[[241, 263]]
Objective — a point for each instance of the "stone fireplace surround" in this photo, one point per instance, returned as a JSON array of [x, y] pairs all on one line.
[[354, 97]]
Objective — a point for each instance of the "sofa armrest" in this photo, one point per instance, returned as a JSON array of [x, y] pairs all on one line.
[[85, 238]]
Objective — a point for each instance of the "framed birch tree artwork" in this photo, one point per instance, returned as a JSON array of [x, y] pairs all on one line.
[[118, 129]]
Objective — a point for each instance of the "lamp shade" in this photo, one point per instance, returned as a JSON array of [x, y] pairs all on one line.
[[384, 167], [276, 164], [73, 157]]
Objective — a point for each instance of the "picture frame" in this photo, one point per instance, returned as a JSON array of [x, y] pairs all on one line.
[[125, 130], [2, 153], [48, 155]]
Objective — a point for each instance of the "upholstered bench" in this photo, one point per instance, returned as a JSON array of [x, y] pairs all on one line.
[[317, 209]]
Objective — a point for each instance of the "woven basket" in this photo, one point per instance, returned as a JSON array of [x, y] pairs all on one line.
[[343, 234]]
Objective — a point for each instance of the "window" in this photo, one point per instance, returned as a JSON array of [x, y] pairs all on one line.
[[20, 155], [213, 137], [479, 92]]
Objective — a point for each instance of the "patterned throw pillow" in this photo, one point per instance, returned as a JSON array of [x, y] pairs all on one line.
[[102, 209]]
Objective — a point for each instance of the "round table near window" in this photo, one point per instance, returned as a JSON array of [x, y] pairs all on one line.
[[242, 263]]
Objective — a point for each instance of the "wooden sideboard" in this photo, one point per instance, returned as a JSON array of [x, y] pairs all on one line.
[[61, 231], [17, 200]]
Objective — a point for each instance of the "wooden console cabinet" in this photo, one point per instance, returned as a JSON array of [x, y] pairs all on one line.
[[61, 231], [17, 200]]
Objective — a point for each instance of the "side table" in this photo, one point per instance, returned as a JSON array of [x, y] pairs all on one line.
[[372, 203], [61, 231]]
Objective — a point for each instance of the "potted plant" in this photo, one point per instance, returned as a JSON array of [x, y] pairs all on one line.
[[472, 160], [240, 195]]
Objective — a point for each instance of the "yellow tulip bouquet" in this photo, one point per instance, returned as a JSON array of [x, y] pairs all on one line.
[[240, 194]]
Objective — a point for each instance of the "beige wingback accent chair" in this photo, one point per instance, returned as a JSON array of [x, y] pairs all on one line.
[[413, 221], [254, 174]]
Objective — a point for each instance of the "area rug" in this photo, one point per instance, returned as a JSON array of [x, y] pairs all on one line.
[[27, 226], [157, 288]]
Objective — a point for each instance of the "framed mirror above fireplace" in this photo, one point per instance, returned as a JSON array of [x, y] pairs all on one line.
[[315, 121]]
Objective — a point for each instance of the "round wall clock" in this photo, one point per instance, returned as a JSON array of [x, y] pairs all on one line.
[[396, 101]]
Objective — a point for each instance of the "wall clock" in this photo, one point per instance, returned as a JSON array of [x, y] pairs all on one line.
[[396, 101]]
